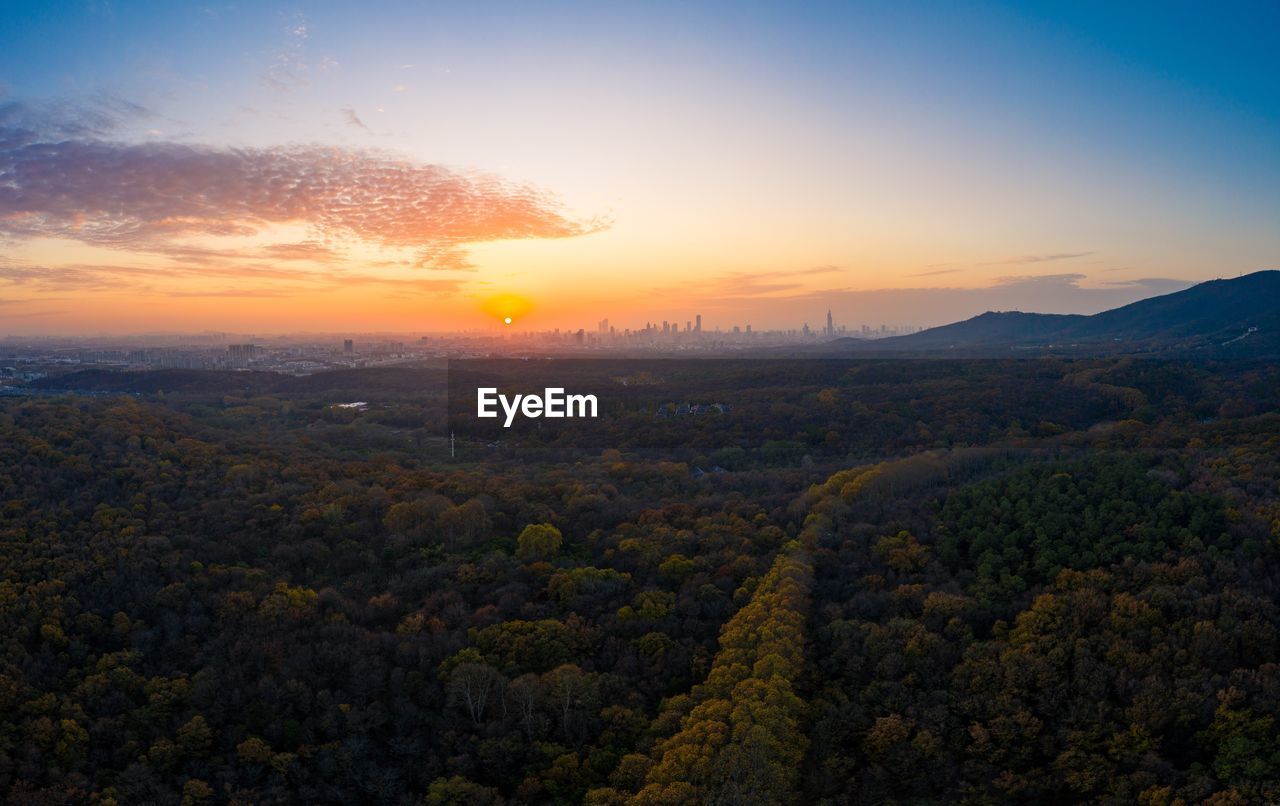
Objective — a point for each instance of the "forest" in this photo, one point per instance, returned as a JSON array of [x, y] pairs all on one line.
[[854, 581]]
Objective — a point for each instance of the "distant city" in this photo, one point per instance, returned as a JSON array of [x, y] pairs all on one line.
[[28, 358]]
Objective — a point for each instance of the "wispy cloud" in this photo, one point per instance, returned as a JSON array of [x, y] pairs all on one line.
[[748, 284], [307, 250], [1072, 285], [250, 280], [1049, 258], [349, 115], [1157, 285], [249, 293], [151, 196], [938, 269], [1055, 280], [97, 117], [33, 314], [45, 279], [1073, 282], [288, 65], [427, 285]]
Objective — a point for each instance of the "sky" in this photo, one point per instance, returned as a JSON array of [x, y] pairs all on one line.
[[419, 166]]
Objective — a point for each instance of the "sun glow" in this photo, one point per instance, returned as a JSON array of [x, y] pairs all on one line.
[[506, 308]]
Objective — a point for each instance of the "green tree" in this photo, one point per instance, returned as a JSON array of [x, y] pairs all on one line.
[[539, 541]]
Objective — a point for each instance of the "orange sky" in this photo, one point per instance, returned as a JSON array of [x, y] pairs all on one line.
[[267, 169]]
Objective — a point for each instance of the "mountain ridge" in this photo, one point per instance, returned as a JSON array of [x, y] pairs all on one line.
[[1216, 315]]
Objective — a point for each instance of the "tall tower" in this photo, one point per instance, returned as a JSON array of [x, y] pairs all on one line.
[[831, 328], [697, 323]]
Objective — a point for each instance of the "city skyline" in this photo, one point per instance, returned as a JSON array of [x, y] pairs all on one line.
[[603, 333], [304, 167], [30, 358]]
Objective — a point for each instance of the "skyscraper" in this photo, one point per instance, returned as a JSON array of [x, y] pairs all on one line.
[[831, 328], [241, 354], [697, 323]]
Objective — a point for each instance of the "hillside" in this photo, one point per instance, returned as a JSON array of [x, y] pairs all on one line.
[[1216, 316]]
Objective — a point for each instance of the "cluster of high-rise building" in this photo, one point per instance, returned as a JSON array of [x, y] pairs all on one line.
[[691, 332], [307, 354]]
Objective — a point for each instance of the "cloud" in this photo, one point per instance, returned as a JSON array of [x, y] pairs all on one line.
[[248, 280], [936, 269], [307, 250], [64, 278], [149, 196], [186, 254], [349, 114], [744, 284], [827, 269], [330, 283], [438, 286], [235, 292], [443, 258], [1071, 283], [1156, 285], [1042, 258], [1046, 280], [97, 117], [33, 314], [288, 65]]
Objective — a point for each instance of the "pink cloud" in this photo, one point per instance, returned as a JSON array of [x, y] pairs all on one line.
[[143, 196]]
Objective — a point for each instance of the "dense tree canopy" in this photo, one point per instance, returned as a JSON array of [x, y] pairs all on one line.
[[879, 581]]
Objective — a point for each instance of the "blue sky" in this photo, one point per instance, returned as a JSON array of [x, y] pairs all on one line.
[[907, 145]]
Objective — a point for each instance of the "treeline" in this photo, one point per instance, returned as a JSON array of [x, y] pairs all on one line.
[[740, 738]]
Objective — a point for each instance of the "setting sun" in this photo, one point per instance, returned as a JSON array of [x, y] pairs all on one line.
[[506, 308]]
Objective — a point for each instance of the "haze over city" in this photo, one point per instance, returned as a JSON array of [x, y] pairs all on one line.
[[408, 167]]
